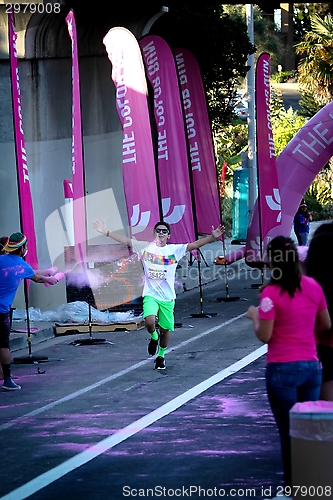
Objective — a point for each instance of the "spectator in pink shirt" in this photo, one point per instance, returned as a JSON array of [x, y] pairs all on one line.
[[292, 308]]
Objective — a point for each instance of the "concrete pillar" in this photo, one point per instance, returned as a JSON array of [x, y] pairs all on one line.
[[287, 28]]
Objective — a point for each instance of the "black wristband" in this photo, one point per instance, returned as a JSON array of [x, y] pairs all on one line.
[[107, 234]]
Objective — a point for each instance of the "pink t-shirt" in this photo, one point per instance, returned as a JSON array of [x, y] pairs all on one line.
[[294, 318]]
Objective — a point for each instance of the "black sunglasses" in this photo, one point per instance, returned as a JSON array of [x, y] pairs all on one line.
[[163, 231]]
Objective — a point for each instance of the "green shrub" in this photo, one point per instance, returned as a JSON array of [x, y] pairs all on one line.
[[309, 106], [284, 77], [280, 77], [226, 204]]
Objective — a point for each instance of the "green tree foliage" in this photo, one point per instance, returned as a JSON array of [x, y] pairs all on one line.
[[266, 38], [321, 188], [219, 43], [316, 78], [285, 127], [316, 59], [303, 13], [308, 104], [230, 142]]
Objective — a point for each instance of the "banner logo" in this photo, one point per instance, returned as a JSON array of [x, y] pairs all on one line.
[[274, 203], [255, 244], [139, 221], [177, 212]]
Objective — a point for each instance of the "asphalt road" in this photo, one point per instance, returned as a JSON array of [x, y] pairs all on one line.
[[99, 422], [290, 94]]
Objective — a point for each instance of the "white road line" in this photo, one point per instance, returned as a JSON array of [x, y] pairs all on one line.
[[112, 377], [106, 444]]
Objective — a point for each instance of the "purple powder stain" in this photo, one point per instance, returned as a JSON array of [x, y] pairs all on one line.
[[221, 452]]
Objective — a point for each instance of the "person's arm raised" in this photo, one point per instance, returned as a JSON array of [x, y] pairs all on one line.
[[216, 233], [101, 228]]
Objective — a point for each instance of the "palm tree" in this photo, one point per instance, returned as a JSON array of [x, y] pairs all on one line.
[[316, 77], [316, 63]]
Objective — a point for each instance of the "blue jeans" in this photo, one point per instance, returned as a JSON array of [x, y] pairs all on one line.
[[304, 238], [287, 384]]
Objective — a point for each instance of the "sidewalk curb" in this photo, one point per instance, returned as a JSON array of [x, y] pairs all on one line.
[[19, 341]]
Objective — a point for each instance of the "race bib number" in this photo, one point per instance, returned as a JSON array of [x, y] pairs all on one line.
[[153, 274]]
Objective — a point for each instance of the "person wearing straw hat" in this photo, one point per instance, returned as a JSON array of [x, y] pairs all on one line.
[[13, 269]]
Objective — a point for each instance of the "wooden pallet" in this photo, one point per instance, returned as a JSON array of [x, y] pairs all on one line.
[[75, 328]]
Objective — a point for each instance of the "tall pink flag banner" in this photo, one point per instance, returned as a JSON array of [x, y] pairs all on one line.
[[79, 209], [26, 206], [172, 157], [269, 201], [139, 170], [200, 142]]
